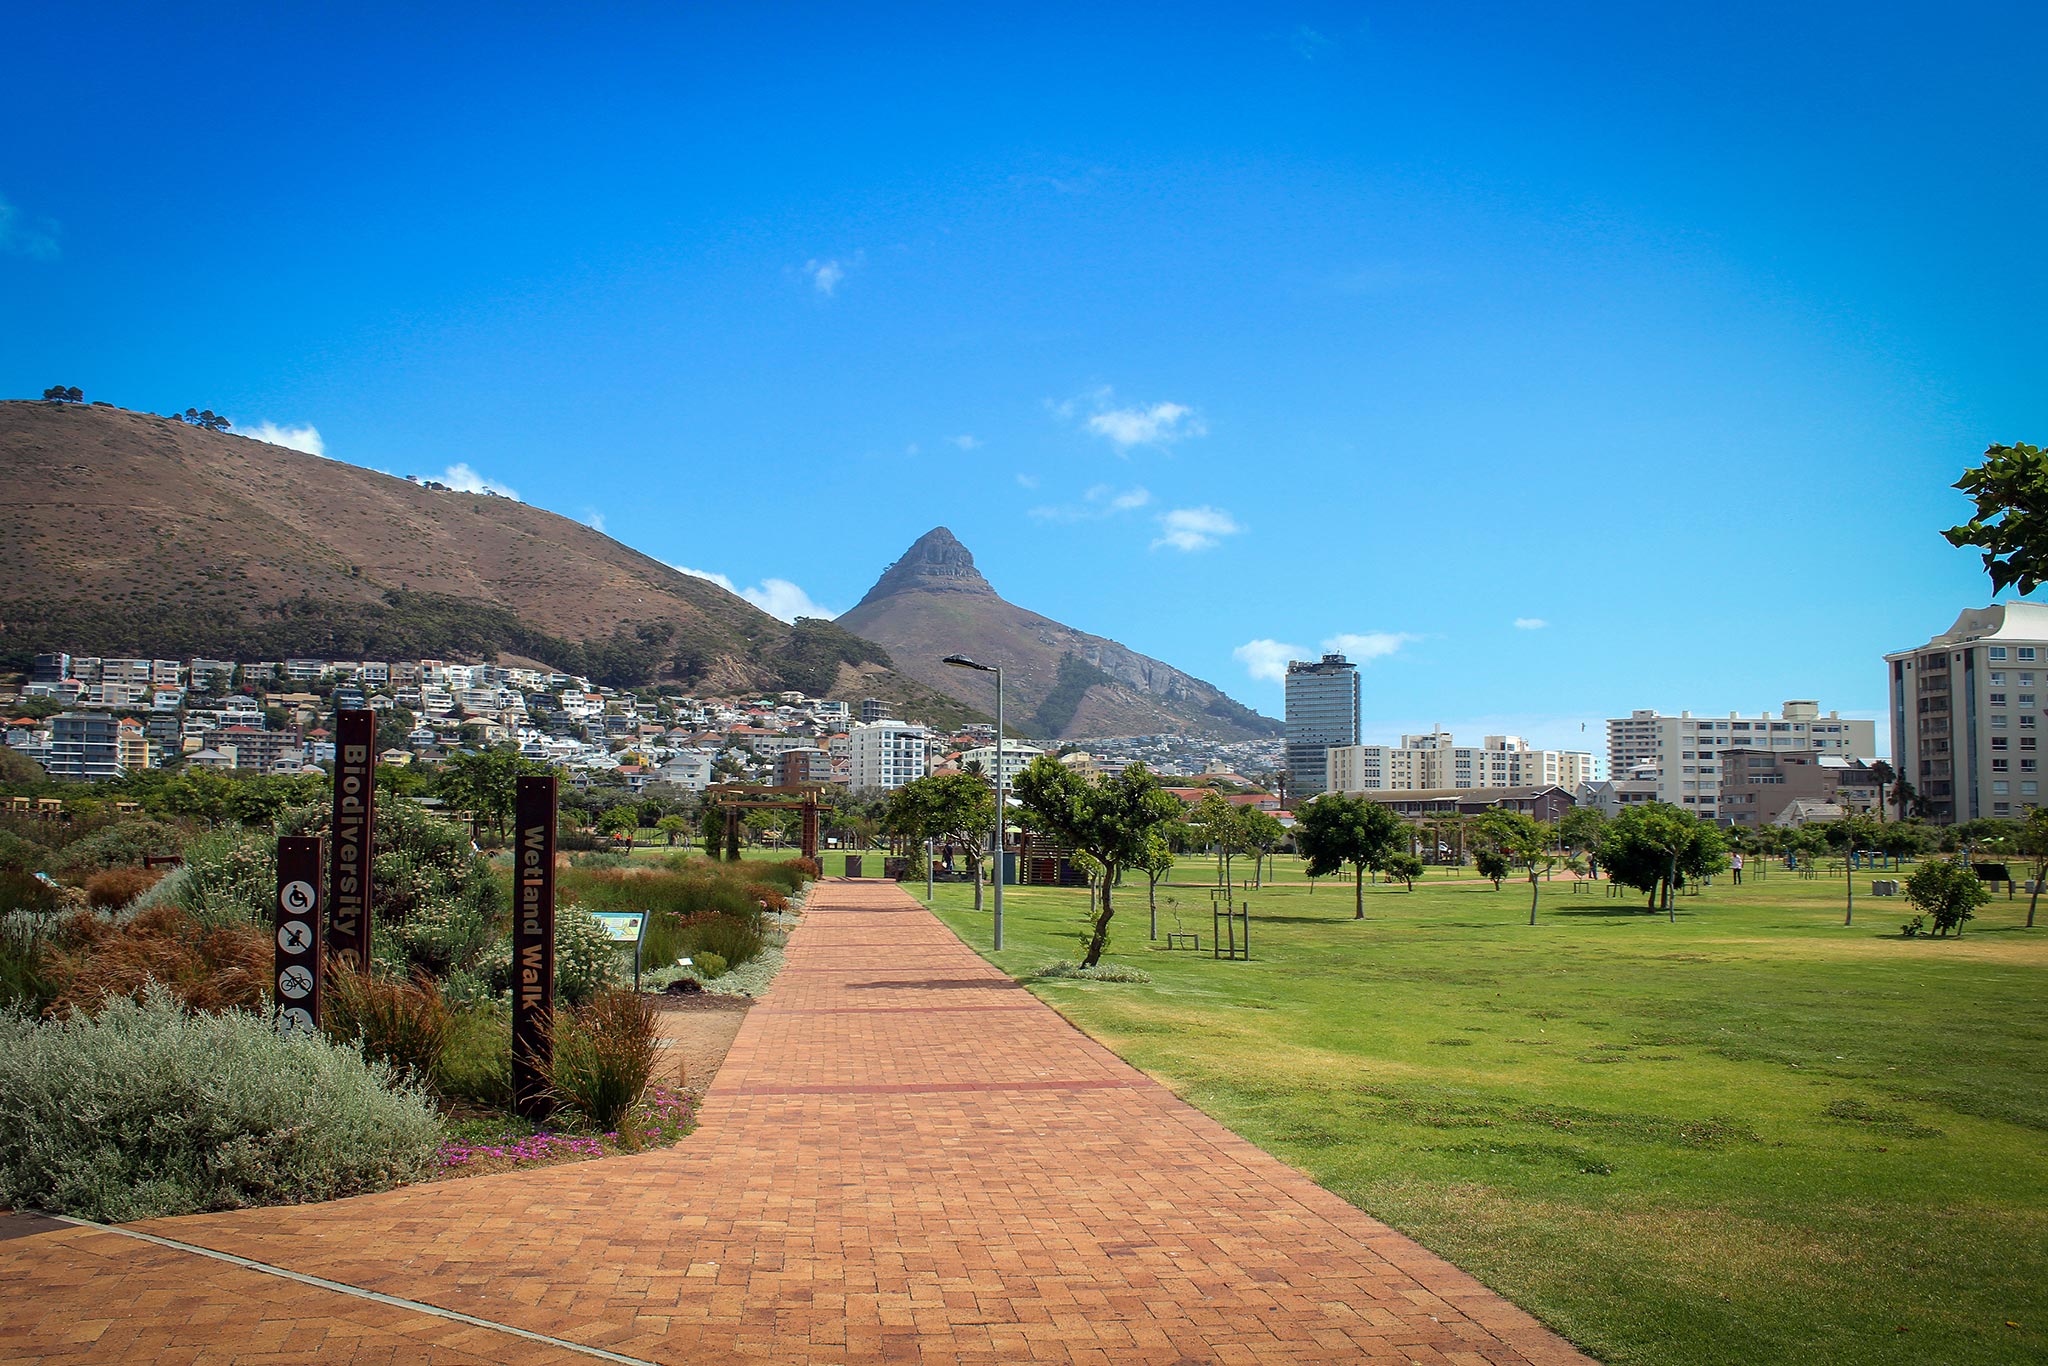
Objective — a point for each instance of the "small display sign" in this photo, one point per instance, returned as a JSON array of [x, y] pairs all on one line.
[[624, 927], [297, 921]]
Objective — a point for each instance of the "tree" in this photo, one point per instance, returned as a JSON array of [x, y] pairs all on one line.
[[1404, 868], [1580, 827], [1112, 819], [673, 827], [1524, 843], [1334, 830], [1156, 864], [1882, 774], [58, 393], [1948, 891], [955, 808], [1262, 834], [1655, 846], [1216, 823], [620, 822], [484, 782], [2033, 843], [2011, 492], [1493, 866]]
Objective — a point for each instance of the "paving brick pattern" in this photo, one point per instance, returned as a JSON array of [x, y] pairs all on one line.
[[904, 1158]]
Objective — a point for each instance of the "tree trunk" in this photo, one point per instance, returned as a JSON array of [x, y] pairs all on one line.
[[1534, 891], [976, 856], [1358, 889], [1099, 936], [1152, 904]]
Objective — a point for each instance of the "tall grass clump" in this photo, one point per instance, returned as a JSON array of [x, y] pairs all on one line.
[[403, 1025], [205, 966], [149, 1109], [604, 1056]]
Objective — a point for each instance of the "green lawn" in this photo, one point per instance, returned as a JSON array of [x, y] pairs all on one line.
[[1751, 1136]]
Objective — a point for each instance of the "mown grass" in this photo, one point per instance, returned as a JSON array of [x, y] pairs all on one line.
[[1754, 1135]]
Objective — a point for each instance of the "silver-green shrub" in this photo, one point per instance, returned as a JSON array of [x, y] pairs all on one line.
[[147, 1110], [1101, 972]]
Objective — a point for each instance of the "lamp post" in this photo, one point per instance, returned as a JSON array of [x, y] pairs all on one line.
[[1002, 817]]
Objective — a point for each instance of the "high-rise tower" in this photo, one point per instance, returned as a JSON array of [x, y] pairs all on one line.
[[1322, 710]]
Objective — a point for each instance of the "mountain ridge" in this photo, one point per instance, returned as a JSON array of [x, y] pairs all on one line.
[[1060, 682], [124, 532]]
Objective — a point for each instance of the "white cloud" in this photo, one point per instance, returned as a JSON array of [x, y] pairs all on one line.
[[1195, 528], [1530, 623], [593, 519], [1028, 481], [306, 438], [825, 276], [1267, 659], [779, 598], [25, 236], [1155, 424], [1366, 646], [1100, 501], [721, 580], [965, 442], [463, 479]]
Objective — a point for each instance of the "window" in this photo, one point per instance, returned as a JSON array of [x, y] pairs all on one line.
[[2026, 720], [2029, 765], [2026, 742], [1998, 742], [2026, 699], [2030, 789], [1998, 699], [2026, 680], [1997, 654], [1998, 722], [1997, 679], [2001, 808], [2026, 654]]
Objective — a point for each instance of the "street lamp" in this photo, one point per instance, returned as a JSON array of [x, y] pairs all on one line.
[[1002, 817]]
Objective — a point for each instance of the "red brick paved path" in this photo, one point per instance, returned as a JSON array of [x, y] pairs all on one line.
[[905, 1158]]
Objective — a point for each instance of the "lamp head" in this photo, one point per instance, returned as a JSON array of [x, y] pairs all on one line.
[[963, 662]]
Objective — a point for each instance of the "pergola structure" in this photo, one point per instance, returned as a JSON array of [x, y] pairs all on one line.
[[733, 798]]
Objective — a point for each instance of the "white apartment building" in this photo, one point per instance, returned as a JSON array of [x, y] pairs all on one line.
[[1686, 749], [1967, 713], [886, 754], [1437, 762], [1017, 757]]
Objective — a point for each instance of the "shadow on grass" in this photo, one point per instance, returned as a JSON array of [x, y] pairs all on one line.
[[1609, 911]]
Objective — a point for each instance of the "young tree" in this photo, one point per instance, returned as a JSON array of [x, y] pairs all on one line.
[[1580, 827], [957, 808], [1948, 891], [1653, 847], [2010, 490], [1492, 864], [1216, 823], [1521, 841], [1334, 830], [1262, 834], [1113, 820], [1156, 864], [2033, 842], [1404, 868], [620, 822], [672, 826]]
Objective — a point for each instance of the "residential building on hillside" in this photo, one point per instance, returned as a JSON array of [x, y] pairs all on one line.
[[1967, 713], [1322, 712], [133, 749], [887, 754], [1017, 757], [873, 709], [1686, 749], [85, 746], [1762, 787], [794, 766], [1436, 760]]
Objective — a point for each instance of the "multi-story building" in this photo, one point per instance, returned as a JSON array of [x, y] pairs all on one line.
[[1017, 757], [1322, 712], [886, 754], [133, 749], [873, 709], [1436, 760], [1762, 787], [1686, 749], [83, 745], [794, 766], [1967, 713]]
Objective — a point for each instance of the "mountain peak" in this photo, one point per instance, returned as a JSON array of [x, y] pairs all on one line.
[[935, 563]]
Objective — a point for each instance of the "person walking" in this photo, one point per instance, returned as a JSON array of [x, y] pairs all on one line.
[[1737, 867]]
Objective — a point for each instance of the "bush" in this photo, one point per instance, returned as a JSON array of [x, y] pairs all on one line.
[[1101, 972], [29, 980], [116, 887], [767, 897], [149, 1110], [230, 877], [18, 855], [788, 874], [709, 965], [124, 843], [733, 940], [586, 960], [604, 1056], [402, 1025], [476, 1065], [26, 892], [1948, 892], [204, 968]]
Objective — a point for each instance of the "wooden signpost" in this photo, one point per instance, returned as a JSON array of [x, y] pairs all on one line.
[[296, 920], [355, 821], [533, 943]]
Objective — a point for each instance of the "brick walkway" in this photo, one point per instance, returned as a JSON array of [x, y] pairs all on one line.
[[905, 1158]]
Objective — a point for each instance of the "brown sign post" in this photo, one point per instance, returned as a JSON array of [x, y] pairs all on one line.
[[355, 821], [296, 920], [533, 943]]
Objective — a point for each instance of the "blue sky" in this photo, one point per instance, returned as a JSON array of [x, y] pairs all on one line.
[[1561, 359]]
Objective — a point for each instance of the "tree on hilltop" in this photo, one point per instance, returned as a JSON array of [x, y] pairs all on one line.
[[57, 393]]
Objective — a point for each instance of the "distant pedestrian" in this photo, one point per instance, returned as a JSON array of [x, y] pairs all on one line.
[[1737, 867]]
